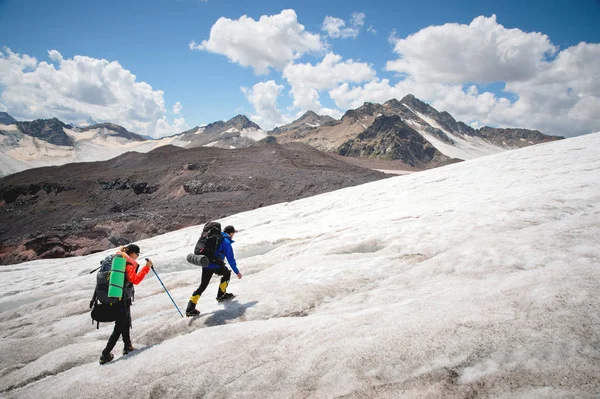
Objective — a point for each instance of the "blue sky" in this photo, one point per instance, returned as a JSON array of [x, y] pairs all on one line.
[[242, 67]]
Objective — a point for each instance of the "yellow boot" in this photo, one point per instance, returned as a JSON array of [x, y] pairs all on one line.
[[191, 306]]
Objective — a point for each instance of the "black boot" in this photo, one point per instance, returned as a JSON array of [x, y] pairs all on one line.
[[128, 348], [191, 309], [106, 357], [225, 297]]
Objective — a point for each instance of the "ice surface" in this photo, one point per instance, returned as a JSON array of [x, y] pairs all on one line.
[[478, 279]]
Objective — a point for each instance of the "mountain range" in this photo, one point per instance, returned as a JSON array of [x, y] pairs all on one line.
[[86, 207], [408, 133]]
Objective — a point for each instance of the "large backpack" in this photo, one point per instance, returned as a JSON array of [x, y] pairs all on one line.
[[209, 242], [104, 308]]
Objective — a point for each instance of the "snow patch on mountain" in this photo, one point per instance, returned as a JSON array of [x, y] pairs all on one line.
[[19, 152], [253, 134], [465, 147]]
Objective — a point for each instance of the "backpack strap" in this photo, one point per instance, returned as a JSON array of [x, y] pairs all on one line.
[[94, 296]]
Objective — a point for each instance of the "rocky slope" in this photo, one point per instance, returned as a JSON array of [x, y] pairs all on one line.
[[390, 138], [112, 129], [307, 122], [6, 119], [49, 130], [238, 132], [80, 208], [451, 139]]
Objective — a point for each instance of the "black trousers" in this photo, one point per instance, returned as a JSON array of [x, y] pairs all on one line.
[[207, 274], [122, 326]]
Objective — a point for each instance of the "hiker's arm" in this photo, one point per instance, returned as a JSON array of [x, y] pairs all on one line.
[[136, 278], [231, 259]]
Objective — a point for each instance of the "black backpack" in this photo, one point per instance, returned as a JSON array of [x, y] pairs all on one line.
[[209, 242], [104, 308]]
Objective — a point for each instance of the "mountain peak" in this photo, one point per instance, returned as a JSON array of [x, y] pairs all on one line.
[[242, 122], [367, 108], [6, 119], [118, 129], [313, 117], [393, 102], [417, 105], [49, 130], [410, 99], [309, 114]]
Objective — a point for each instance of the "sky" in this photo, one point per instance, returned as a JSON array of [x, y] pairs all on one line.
[[479, 279], [159, 67]]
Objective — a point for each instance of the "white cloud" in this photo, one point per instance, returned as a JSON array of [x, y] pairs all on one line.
[[307, 79], [263, 97], [75, 89], [271, 42], [55, 56], [336, 27], [177, 107], [559, 94], [164, 128], [393, 37], [482, 52], [358, 19], [556, 92]]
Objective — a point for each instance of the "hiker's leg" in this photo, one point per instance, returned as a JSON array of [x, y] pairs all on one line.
[[117, 331], [112, 341], [206, 276], [127, 327], [226, 275]]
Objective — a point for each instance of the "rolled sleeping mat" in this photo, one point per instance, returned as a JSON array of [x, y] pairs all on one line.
[[117, 277], [198, 260]]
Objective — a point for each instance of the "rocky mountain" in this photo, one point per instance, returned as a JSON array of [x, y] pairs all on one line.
[[307, 122], [81, 208], [390, 138], [49, 130], [51, 142], [48, 142], [114, 130], [515, 138], [6, 119], [453, 140], [238, 132]]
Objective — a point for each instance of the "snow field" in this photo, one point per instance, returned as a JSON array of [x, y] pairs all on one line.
[[475, 279]]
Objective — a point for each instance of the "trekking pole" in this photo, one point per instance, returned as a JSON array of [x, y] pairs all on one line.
[[95, 269], [161, 283]]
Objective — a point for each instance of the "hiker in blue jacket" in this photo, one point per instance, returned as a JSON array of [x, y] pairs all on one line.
[[217, 266]]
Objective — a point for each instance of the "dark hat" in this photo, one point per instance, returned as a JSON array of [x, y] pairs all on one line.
[[230, 229], [132, 248]]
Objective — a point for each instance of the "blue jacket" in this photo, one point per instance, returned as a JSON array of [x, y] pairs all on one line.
[[225, 251]]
